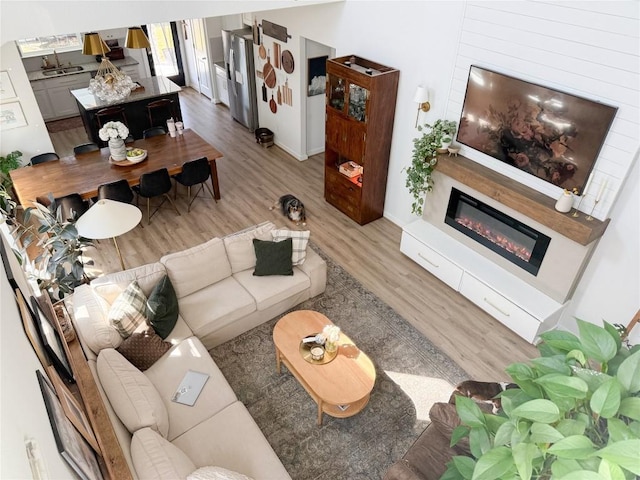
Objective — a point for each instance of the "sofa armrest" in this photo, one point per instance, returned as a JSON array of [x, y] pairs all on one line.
[[316, 269]]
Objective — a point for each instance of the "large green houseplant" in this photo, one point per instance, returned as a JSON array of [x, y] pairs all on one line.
[[423, 159], [576, 415], [10, 162]]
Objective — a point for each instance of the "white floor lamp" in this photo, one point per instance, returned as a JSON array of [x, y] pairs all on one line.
[[108, 219]]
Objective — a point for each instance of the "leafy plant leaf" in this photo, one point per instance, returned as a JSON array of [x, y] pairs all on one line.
[[564, 386], [458, 434], [539, 410], [593, 378], [576, 447], [577, 355], [543, 433], [615, 334], [564, 466], [630, 407], [523, 455], [561, 340], [504, 433], [596, 342], [479, 441], [605, 401], [493, 464], [618, 430], [610, 471], [629, 373], [624, 453], [469, 412], [582, 475], [465, 466], [555, 364], [571, 426]]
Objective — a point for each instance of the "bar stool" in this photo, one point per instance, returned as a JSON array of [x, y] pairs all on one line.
[[111, 113], [157, 107]]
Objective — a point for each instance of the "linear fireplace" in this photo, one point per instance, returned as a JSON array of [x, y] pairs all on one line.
[[508, 237]]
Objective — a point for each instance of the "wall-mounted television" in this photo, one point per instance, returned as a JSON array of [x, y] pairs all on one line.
[[553, 135]]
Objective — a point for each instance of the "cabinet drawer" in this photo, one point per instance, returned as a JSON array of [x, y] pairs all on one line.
[[431, 260], [341, 186], [77, 80], [500, 307]]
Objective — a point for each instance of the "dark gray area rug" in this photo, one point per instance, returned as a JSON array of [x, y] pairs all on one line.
[[410, 372]]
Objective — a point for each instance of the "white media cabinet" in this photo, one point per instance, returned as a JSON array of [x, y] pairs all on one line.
[[513, 302]]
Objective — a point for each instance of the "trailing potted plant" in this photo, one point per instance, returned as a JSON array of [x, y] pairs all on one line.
[[8, 163], [423, 159], [576, 415]]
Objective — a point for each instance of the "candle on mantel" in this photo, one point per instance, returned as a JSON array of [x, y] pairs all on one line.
[[586, 187], [602, 187]]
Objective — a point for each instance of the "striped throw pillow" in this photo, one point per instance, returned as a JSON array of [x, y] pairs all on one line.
[[299, 239], [128, 311]]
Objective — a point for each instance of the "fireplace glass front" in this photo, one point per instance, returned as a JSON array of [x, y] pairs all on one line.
[[508, 237]]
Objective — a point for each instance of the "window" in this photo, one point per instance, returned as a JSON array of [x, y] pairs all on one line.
[[33, 47]]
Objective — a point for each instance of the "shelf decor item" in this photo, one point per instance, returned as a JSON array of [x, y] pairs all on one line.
[[115, 133], [565, 202]]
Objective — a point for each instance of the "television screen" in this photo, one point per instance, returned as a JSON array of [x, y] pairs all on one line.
[[52, 342], [553, 135]]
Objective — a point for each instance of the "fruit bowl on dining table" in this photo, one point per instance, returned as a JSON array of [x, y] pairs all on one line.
[[135, 155]]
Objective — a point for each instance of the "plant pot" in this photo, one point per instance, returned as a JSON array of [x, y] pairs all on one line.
[[117, 149], [565, 202]]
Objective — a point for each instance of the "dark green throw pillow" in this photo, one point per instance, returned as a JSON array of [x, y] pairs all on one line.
[[273, 258], [162, 307]]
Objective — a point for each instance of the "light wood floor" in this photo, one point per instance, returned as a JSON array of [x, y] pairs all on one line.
[[251, 180]]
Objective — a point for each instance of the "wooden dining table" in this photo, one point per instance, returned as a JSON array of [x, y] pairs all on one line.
[[85, 172]]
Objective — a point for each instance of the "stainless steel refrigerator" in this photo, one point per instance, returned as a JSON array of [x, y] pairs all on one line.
[[241, 77]]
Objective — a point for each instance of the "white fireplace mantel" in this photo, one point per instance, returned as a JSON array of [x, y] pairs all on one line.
[[526, 303]]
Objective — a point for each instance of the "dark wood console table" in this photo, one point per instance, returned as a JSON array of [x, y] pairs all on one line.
[[153, 88]]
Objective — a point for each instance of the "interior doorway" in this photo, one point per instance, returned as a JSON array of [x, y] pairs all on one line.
[[201, 57], [165, 59]]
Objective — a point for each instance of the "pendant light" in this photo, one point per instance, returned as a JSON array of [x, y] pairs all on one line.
[[109, 84], [136, 38]]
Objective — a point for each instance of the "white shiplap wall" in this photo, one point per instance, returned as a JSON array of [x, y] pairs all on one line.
[[590, 49]]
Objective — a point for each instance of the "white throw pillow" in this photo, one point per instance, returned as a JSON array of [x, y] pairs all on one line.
[[300, 240], [131, 394], [239, 246], [156, 458], [216, 473], [128, 311]]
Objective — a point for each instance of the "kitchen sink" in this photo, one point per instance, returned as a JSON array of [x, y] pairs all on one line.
[[62, 71]]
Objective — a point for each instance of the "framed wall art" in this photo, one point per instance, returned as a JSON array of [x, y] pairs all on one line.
[[12, 116], [6, 87], [72, 446], [317, 76], [30, 328]]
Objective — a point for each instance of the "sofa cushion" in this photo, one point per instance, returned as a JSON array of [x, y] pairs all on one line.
[[193, 269], [167, 373], [155, 458], [111, 285], [143, 349], [273, 258], [233, 441], [300, 240], [128, 311], [90, 312], [131, 394], [216, 473], [162, 307], [272, 290], [239, 245]]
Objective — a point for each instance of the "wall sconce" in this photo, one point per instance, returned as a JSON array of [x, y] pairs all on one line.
[[421, 97]]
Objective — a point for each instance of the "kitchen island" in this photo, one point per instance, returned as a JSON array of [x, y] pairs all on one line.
[[135, 105]]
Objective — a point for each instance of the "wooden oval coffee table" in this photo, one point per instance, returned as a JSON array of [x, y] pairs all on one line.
[[342, 387]]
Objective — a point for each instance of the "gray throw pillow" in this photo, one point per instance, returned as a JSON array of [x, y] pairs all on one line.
[[162, 307], [273, 258]]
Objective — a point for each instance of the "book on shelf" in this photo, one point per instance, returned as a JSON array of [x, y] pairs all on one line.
[[357, 180], [350, 169]]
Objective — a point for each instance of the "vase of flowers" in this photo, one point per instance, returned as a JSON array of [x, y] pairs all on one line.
[[332, 335], [115, 133]]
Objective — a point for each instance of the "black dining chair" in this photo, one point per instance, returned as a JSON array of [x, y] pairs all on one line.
[[44, 157], [120, 191], [155, 184], [159, 111], [85, 148], [194, 172], [154, 132], [108, 114], [70, 207]]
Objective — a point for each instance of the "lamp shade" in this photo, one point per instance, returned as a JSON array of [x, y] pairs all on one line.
[[108, 218], [94, 45], [136, 38], [421, 95]]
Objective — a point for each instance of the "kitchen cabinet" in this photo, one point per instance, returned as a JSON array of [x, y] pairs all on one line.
[[54, 95], [132, 71], [221, 84], [360, 107]]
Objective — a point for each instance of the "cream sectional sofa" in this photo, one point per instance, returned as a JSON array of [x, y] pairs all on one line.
[[218, 298]]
